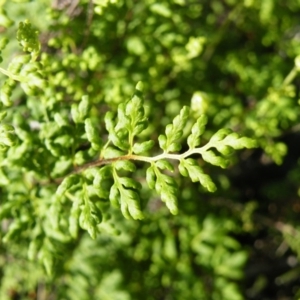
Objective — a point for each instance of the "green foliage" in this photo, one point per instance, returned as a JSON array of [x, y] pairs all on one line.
[[28, 39], [123, 130], [169, 142], [120, 126]]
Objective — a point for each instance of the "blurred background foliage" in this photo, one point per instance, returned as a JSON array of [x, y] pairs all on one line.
[[237, 62]]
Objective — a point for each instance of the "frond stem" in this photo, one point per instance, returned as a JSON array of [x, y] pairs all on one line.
[[107, 161], [12, 76]]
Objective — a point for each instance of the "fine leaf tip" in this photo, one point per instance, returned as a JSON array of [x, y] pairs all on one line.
[[139, 86]]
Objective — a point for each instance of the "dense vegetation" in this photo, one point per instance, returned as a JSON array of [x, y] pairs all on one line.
[[149, 149]]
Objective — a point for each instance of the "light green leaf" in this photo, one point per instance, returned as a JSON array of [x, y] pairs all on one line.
[[47, 259], [118, 141], [129, 183], [125, 165], [75, 114], [13, 231], [139, 148], [237, 142], [92, 134], [5, 94], [135, 111], [61, 122], [6, 128], [2, 115], [196, 174], [8, 138], [36, 79], [124, 189], [139, 86], [210, 157], [109, 121], [220, 135], [197, 130], [114, 195], [224, 149], [101, 174], [5, 21], [162, 139], [95, 212], [74, 218], [167, 187], [130, 204], [3, 42], [182, 170], [161, 9], [118, 136], [174, 147], [90, 217], [111, 152], [123, 119], [174, 132], [84, 107], [28, 37], [150, 177], [164, 164], [33, 248], [67, 183], [6, 209], [135, 45]]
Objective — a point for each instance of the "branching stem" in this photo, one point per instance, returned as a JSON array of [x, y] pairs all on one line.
[[107, 161], [12, 76], [290, 77]]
